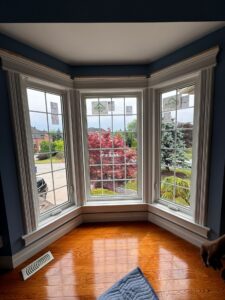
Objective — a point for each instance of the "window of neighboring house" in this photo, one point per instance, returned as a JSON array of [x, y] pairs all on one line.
[[112, 146], [177, 128], [46, 122]]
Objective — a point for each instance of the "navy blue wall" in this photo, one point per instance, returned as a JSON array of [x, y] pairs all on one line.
[[111, 11], [10, 204]]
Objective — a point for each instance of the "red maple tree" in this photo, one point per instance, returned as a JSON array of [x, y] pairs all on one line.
[[103, 148]]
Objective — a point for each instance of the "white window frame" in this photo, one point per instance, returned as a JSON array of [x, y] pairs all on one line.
[[198, 69], [31, 83], [179, 85], [115, 199], [22, 73]]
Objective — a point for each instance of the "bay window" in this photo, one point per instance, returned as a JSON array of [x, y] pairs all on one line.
[[114, 140]]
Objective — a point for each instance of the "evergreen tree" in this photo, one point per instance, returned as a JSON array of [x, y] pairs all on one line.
[[172, 147]]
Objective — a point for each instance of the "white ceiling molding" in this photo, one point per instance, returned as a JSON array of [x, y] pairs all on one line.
[[94, 83], [19, 64], [185, 68]]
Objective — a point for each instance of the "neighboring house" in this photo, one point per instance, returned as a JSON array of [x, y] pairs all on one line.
[[38, 136]]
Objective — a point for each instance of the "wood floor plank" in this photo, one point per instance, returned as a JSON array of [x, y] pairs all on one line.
[[91, 258]]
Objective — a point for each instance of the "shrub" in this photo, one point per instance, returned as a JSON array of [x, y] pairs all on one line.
[[182, 191], [60, 155]]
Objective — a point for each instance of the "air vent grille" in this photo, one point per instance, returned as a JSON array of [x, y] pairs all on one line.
[[36, 265]]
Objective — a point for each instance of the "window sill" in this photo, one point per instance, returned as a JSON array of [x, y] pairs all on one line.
[[178, 218], [51, 224], [112, 202]]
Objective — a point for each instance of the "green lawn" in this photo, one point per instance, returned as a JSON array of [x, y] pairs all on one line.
[[188, 153]]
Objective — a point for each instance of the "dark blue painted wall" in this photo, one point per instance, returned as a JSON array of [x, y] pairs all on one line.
[[10, 204], [110, 11]]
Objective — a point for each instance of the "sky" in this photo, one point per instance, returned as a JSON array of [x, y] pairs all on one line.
[[117, 112]]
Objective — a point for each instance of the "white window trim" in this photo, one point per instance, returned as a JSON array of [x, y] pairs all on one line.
[[20, 73], [47, 88], [104, 199], [179, 84], [201, 67]]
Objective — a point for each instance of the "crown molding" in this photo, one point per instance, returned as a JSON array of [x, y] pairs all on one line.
[[91, 83], [18, 64], [185, 68]]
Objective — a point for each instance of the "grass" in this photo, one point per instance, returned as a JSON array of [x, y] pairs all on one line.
[[54, 160], [131, 185], [188, 153], [101, 192]]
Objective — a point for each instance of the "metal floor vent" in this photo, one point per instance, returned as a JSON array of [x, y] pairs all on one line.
[[36, 265]]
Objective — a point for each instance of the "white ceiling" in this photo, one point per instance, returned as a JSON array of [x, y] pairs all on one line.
[[108, 43]]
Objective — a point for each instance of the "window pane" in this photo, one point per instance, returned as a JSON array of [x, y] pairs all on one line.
[[43, 163], [169, 101], [119, 156], [167, 173], [118, 123], [131, 123], [94, 140], [119, 140], [93, 124], [59, 178], [38, 122], [177, 115], [95, 172], [94, 157], [46, 201], [185, 97], [106, 140], [131, 187], [36, 100], [55, 123], [113, 165], [119, 172], [182, 196], [168, 138], [131, 171], [185, 117], [167, 191], [118, 105], [53, 103], [168, 120], [61, 195], [48, 148], [58, 161], [131, 106], [44, 182], [89, 105], [106, 156], [108, 188], [106, 123]]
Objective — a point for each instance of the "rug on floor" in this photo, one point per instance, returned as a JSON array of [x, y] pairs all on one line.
[[132, 286]]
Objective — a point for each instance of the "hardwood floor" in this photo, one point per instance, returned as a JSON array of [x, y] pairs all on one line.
[[92, 257]]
